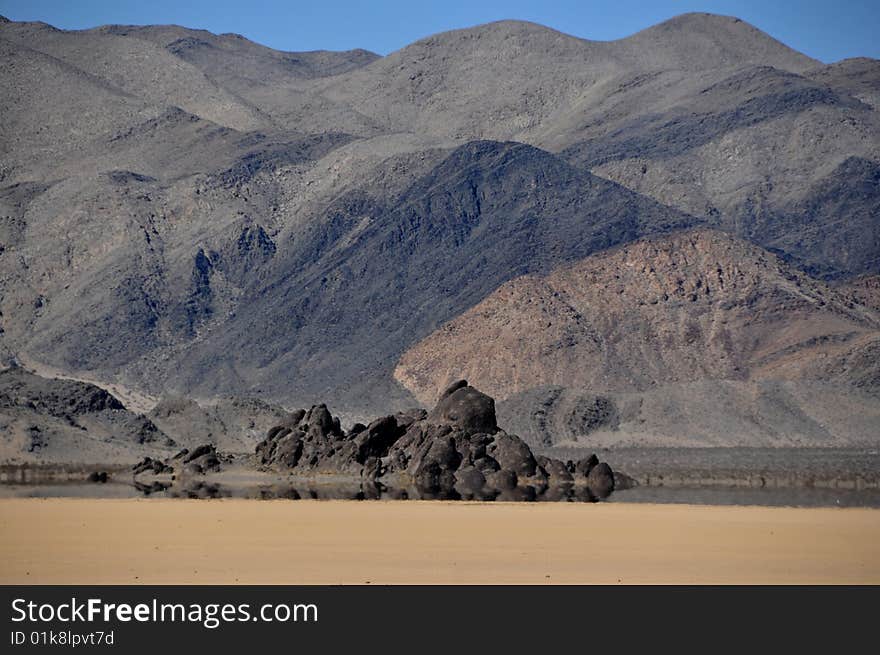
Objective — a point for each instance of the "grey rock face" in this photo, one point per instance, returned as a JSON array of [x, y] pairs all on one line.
[[233, 425], [544, 415]]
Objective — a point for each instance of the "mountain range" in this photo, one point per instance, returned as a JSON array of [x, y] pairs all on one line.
[[639, 226]]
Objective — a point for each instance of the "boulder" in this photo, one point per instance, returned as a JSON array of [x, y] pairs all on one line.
[[455, 386], [583, 467], [512, 453], [199, 451], [557, 472], [150, 465], [487, 464], [502, 479], [375, 439], [469, 480], [601, 480], [202, 459], [319, 421], [466, 408]]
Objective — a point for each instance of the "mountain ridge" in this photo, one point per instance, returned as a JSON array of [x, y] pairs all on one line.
[[282, 224], [696, 304]]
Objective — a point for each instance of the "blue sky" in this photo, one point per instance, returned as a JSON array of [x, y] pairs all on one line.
[[828, 30]]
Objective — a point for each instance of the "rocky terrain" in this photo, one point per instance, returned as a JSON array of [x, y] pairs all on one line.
[[204, 221], [56, 421], [693, 339], [66, 422], [454, 451], [695, 305], [233, 425]]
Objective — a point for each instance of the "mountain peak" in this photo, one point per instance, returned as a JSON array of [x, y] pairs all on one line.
[[711, 40], [508, 34]]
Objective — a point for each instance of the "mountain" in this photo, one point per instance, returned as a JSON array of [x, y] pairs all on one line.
[[666, 340], [67, 422], [693, 305], [481, 83], [136, 68], [52, 420], [191, 214], [261, 77], [354, 292]]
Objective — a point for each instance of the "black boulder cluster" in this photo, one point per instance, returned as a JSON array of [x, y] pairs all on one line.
[[199, 460], [455, 451]]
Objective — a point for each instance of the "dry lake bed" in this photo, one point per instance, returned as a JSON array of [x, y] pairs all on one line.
[[123, 541]]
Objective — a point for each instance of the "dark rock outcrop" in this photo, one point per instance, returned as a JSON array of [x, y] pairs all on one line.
[[556, 471], [601, 480], [464, 407], [456, 450], [149, 465], [586, 465], [202, 460], [98, 477], [198, 461]]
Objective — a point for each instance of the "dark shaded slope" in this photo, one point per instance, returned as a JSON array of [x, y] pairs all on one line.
[[745, 99], [762, 154], [352, 293], [833, 230]]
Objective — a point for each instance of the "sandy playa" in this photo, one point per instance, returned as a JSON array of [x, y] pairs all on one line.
[[76, 541]]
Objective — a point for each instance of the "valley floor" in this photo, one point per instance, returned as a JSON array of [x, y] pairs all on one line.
[[91, 541]]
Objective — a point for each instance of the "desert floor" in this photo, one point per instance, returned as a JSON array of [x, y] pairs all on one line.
[[76, 541]]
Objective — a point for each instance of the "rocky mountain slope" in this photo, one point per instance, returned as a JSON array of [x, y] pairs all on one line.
[[62, 421], [47, 420], [233, 425], [377, 275], [694, 305], [636, 341], [700, 413], [194, 214]]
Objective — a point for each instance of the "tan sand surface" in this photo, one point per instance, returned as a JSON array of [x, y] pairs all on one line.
[[76, 541]]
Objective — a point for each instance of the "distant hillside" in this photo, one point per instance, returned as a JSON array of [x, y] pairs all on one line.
[[191, 214], [689, 306], [636, 334], [63, 421]]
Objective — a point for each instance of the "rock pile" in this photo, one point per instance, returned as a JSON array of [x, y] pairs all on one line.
[[200, 460], [457, 446]]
